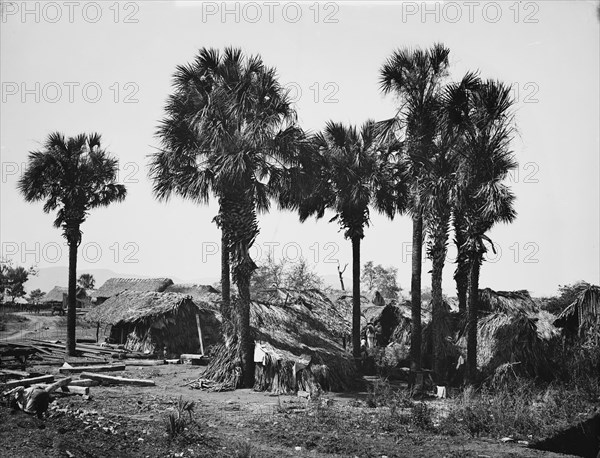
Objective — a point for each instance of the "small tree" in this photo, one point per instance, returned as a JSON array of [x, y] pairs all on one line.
[[86, 281], [302, 276], [269, 274], [36, 296], [14, 279], [382, 279]]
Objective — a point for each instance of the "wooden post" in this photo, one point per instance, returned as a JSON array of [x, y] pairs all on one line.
[[97, 331], [200, 334]]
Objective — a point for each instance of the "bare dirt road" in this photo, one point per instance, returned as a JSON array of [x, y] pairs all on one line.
[[34, 326]]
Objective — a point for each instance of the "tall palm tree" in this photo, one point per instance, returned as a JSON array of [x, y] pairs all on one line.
[[348, 175], [73, 175], [437, 196], [229, 127], [483, 199], [415, 77]]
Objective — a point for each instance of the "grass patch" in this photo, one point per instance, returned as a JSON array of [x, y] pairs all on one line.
[[518, 409]]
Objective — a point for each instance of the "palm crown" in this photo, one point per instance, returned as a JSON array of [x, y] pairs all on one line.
[[73, 175]]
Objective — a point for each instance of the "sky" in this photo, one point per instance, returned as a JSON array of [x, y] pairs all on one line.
[[106, 67]]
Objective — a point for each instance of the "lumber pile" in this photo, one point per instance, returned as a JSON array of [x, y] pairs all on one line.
[[49, 353]]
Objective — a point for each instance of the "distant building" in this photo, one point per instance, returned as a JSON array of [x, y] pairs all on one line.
[[59, 296], [150, 321]]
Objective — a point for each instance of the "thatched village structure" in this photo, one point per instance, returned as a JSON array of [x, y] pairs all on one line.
[[150, 321], [512, 330], [58, 296], [581, 319], [298, 344], [114, 286]]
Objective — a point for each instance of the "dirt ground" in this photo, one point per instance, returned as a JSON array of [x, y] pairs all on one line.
[[131, 421]]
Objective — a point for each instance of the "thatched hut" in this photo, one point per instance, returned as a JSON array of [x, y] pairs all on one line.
[[114, 286], [150, 321], [582, 317], [385, 319], [58, 296], [296, 347], [512, 329]]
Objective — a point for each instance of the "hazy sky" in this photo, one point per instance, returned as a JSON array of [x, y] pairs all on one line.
[[106, 66]]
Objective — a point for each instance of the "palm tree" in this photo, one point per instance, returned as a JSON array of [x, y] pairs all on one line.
[[437, 197], [415, 77], [73, 175], [86, 281], [349, 175], [229, 127], [483, 200]]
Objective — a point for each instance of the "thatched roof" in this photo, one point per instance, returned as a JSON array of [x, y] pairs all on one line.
[[330, 314], [201, 294], [512, 329], [132, 306], [297, 331], [56, 294], [583, 315], [115, 286], [506, 301]]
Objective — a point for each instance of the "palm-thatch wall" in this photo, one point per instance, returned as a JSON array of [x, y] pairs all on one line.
[[114, 286], [512, 329], [150, 321], [582, 317], [296, 347]]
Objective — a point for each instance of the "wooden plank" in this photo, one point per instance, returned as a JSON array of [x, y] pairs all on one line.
[[107, 368], [200, 333], [29, 381], [84, 382], [75, 389], [116, 380], [56, 385], [190, 356], [145, 362], [82, 362], [11, 372]]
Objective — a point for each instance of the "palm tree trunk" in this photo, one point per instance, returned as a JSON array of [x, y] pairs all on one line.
[[225, 278], [243, 329], [437, 311], [356, 296], [241, 228], [461, 275], [415, 293], [473, 310], [72, 296]]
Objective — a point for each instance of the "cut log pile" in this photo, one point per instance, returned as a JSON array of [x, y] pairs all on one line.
[[49, 353], [29, 391]]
